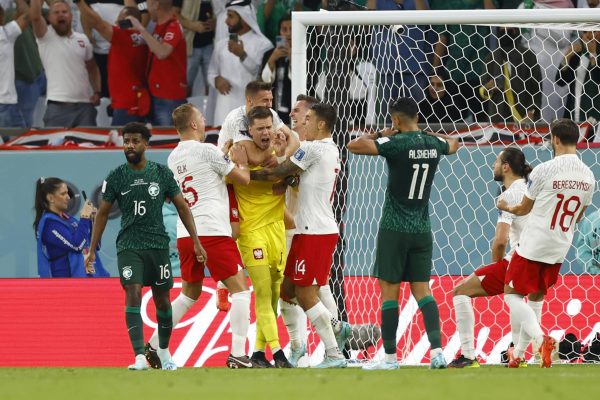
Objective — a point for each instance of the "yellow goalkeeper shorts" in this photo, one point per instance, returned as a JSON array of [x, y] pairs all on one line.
[[265, 245]]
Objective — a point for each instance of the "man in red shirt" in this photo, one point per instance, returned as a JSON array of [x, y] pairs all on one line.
[[127, 60], [167, 63]]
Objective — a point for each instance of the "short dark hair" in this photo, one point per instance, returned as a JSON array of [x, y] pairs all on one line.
[[136, 127], [253, 87], [406, 106], [326, 113], [566, 130], [259, 112], [309, 99], [133, 12], [515, 159], [286, 17]]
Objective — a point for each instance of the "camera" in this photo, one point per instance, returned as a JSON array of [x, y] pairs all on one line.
[[125, 24]]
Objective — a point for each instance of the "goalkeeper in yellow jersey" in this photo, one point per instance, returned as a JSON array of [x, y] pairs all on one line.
[[262, 239]]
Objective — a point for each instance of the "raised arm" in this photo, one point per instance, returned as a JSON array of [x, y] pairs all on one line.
[[38, 23], [520, 209], [452, 143], [160, 50], [95, 21]]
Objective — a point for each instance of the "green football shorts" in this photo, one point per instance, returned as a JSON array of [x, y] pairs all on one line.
[[145, 267], [403, 257]]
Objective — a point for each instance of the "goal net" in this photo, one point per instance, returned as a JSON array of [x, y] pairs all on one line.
[[491, 78]]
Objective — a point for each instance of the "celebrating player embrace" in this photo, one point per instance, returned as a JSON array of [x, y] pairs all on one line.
[[309, 261]]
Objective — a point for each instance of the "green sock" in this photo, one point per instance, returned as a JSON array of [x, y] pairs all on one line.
[[389, 325], [135, 327], [431, 318], [165, 326]]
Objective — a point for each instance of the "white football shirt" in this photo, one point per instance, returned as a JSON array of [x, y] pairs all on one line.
[[560, 187], [199, 169], [235, 126], [64, 60], [320, 161], [513, 196]]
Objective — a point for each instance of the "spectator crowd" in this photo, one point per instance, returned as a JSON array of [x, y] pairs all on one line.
[[100, 62]]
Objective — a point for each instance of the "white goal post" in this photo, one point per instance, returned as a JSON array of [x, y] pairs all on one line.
[[462, 205]]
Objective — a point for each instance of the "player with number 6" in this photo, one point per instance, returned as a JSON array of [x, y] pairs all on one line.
[[141, 187]]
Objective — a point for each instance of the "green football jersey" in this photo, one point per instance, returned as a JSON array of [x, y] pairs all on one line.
[[141, 195], [412, 159]]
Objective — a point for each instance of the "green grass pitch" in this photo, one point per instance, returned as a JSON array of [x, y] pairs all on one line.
[[491, 382]]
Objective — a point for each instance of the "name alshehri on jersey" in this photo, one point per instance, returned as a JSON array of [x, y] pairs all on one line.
[[140, 195], [412, 159]]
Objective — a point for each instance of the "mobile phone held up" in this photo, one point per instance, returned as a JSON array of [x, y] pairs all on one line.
[[280, 41], [233, 37], [125, 24]]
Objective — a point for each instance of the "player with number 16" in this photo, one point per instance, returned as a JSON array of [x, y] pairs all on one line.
[[141, 187]]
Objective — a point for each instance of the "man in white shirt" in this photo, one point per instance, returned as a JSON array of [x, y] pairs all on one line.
[[235, 127], [10, 114], [199, 169], [309, 261], [73, 76], [511, 169], [236, 60], [558, 193]]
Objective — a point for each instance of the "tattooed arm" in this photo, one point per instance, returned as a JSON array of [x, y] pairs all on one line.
[[283, 170]]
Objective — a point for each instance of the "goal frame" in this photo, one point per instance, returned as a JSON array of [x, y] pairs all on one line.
[[302, 19]]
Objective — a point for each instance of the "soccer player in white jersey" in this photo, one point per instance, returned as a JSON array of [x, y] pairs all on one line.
[[512, 170], [557, 195], [235, 126], [199, 169], [309, 261]]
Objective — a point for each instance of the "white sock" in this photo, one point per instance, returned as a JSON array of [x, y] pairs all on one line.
[[179, 307], [537, 307], [465, 324], [164, 355], [524, 338], [390, 357], [515, 329], [435, 352], [221, 285], [328, 300], [521, 312], [319, 318], [240, 321], [294, 319]]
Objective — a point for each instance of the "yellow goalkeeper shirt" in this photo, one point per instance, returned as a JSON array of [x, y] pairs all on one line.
[[257, 204]]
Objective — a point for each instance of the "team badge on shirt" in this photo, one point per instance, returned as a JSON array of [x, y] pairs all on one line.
[[153, 189], [258, 254], [299, 154], [81, 43], [127, 273]]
